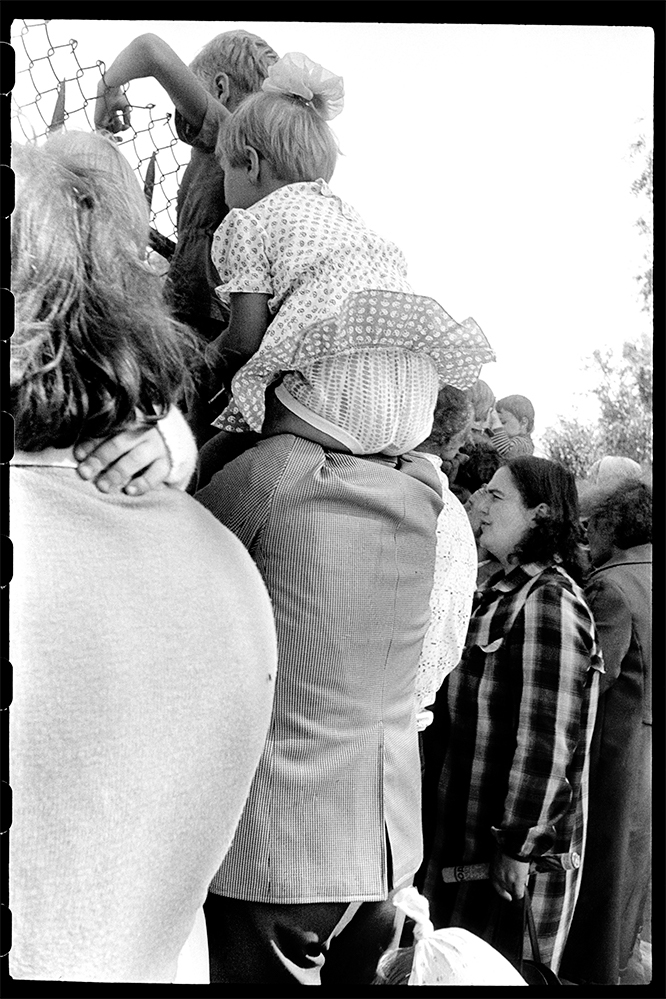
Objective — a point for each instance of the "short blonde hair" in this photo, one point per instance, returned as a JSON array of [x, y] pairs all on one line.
[[288, 133], [241, 55]]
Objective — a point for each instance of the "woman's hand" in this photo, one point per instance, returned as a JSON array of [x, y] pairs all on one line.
[[509, 876], [135, 460]]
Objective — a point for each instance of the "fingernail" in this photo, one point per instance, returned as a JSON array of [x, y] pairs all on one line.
[[103, 486], [131, 490], [85, 472]]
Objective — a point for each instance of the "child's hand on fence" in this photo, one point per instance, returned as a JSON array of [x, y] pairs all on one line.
[[112, 109], [135, 461]]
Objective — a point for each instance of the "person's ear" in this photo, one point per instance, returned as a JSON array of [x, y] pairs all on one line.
[[523, 425], [253, 164], [222, 88], [540, 512]]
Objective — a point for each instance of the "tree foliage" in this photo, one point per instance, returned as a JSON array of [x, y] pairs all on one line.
[[624, 389], [642, 187], [625, 399], [624, 427], [575, 445]]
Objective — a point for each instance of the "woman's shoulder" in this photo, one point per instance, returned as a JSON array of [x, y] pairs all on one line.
[[545, 589], [555, 582], [630, 578]]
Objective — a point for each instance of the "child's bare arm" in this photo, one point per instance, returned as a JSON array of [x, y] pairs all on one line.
[[248, 322], [148, 55]]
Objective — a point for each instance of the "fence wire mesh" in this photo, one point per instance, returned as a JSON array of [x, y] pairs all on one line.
[[53, 89]]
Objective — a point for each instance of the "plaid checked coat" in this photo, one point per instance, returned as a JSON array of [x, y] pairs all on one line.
[[521, 708]]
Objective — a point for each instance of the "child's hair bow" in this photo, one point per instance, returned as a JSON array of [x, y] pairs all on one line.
[[299, 76]]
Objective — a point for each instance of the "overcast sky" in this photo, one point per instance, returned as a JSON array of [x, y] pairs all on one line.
[[496, 156]]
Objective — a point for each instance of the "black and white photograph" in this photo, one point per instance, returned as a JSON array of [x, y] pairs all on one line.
[[330, 502]]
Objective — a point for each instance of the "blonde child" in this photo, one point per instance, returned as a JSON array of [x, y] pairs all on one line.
[[322, 314]]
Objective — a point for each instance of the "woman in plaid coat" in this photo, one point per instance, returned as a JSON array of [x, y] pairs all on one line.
[[520, 712]]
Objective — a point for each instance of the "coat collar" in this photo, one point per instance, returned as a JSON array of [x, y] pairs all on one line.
[[631, 556], [516, 577], [501, 583]]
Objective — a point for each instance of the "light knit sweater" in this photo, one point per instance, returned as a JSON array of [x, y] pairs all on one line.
[[140, 633]]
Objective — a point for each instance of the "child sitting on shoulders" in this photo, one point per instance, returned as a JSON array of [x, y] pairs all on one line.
[[326, 339], [511, 426]]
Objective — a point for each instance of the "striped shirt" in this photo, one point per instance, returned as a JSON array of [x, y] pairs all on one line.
[[511, 447]]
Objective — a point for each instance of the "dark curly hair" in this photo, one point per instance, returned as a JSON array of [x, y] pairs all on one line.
[[556, 536], [627, 514], [453, 412], [482, 463]]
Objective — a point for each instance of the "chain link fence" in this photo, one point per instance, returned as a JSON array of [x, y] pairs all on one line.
[[53, 90]]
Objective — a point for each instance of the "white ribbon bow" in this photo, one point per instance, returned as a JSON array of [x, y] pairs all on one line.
[[297, 75]]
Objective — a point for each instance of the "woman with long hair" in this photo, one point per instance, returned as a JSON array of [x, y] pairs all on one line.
[[521, 708], [140, 628]]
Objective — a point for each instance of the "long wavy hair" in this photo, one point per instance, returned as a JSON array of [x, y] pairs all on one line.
[[94, 341], [556, 535]]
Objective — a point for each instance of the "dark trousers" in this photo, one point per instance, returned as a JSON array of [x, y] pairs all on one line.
[[261, 943], [432, 746]]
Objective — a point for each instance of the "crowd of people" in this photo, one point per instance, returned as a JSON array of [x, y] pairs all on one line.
[[380, 672]]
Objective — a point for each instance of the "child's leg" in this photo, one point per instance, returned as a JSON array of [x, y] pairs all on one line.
[[220, 450]]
